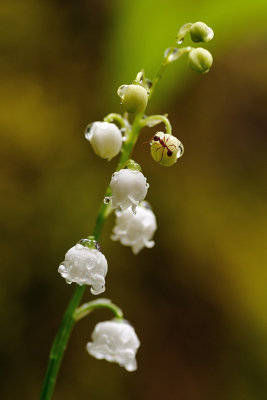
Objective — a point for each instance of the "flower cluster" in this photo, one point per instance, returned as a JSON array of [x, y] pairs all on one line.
[[135, 222]]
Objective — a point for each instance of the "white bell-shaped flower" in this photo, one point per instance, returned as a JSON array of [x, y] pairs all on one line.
[[135, 230], [128, 188], [105, 138], [115, 341], [85, 266]]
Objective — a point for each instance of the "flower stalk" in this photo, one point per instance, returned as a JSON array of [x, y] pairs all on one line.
[[135, 98], [87, 308]]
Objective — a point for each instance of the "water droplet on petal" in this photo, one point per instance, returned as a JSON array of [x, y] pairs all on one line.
[[146, 205], [87, 131], [139, 77], [172, 54], [121, 91], [180, 150], [90, 243], [107, 200], [180, 41], [149, 83]]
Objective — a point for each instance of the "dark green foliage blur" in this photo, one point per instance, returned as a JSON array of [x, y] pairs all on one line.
[[198, 299]]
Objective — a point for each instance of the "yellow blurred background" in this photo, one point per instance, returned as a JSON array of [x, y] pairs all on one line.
[[198, 299]]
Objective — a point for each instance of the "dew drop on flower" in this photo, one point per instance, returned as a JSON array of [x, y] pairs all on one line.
[[146, 205], [107, 200], [139, 77], [172, 54], [87, 131], [180, 150], [121, 91], [90, 243], [149, 83]]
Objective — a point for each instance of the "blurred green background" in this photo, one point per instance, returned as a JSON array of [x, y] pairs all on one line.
[[198, 299]]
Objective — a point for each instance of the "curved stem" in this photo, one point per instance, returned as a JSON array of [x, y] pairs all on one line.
[[166, 61], [68, 320], [87, 308], [149, 120], [157, 77], [115, 117]]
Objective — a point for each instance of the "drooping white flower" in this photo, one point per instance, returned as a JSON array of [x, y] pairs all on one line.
[[135, 230], [105, 138], [115, 341], [85, 266], [128, 187]]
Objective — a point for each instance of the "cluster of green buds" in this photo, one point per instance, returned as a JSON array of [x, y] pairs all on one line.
[[199, 59]]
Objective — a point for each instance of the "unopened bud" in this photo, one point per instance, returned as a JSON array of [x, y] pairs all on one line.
[[200, 32], [133, 97], [200, 60], [166, 149]]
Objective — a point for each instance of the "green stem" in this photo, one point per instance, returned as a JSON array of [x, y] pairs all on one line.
[[157, 77], [146, 121], [115, 117], [60, 343], [165, 62], [87, 308], [105, 209]]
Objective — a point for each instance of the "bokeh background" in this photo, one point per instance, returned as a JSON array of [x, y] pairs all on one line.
[[198, 299]]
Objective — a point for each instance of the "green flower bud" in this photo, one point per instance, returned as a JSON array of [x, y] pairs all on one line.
[[200, 32], [200, 60], [166, 149], [133, 97]]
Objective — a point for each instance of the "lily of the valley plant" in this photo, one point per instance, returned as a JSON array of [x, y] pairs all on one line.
[[135, 223]]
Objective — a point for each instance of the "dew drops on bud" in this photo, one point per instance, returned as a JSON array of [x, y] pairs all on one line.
[[201, 32], [166, 149], [133, 97]]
